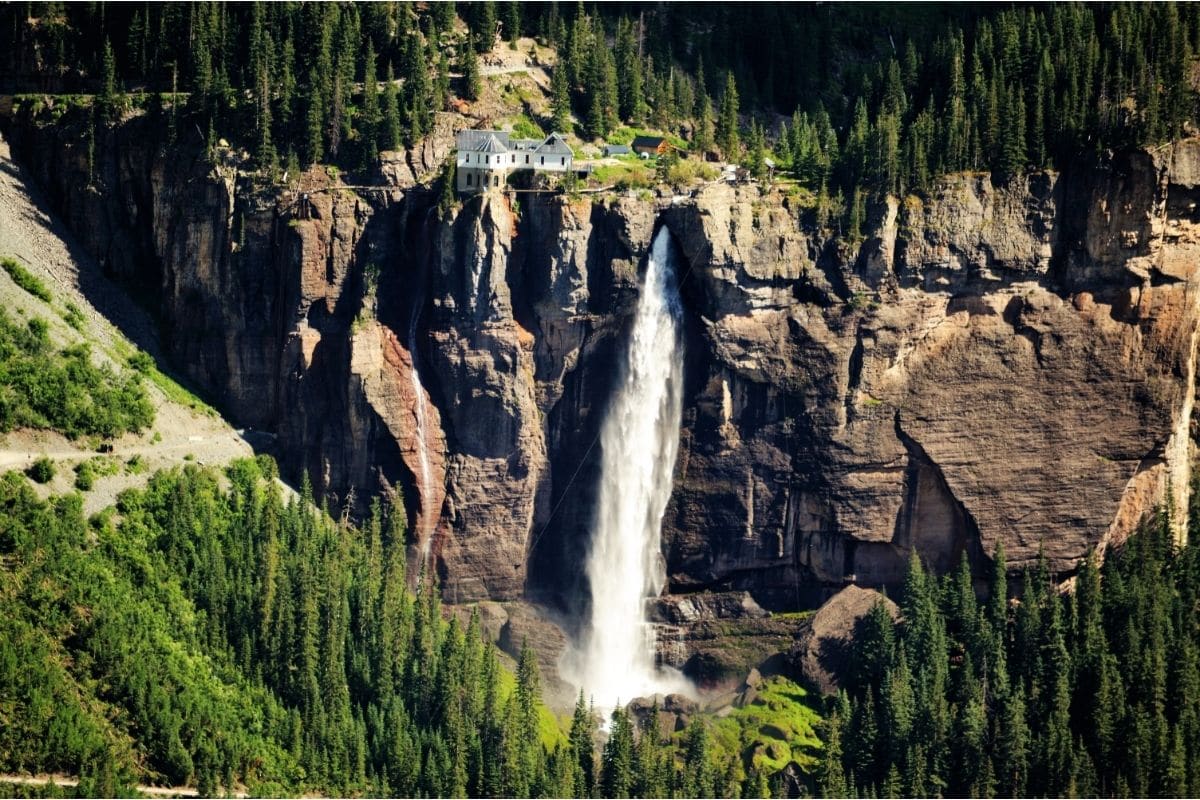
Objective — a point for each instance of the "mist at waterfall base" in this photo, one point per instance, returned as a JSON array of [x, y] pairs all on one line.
[[614, 658]]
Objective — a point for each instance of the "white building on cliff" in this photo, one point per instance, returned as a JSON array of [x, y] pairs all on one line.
[[487, 158]]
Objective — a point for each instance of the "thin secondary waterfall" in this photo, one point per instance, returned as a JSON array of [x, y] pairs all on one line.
[[640, 440], [424, 530]]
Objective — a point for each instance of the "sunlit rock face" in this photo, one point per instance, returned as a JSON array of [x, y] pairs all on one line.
[[991, 363]]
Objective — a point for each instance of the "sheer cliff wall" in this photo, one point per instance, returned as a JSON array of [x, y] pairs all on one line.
[[992, 364]]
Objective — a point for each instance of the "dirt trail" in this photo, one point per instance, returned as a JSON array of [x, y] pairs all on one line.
[[30, 233], [63, 780]]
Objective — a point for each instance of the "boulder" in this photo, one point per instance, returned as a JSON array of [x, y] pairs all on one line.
[[823, 645]]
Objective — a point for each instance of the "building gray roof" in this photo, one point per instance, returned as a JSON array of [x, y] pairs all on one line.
[[491, 144], [554, 145], [616, 149], [481, 141]]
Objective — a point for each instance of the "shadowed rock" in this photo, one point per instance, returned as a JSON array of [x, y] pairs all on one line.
[[822, 648]]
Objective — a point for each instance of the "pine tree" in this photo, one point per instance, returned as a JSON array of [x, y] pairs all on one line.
[[512, 22], [616, 762], [560, 99], [1012, 149], [862, 753], [698, 778], [261, 48], [469, 66], [857, 152], [857, 216], [630, 91], [831, 776], [441, 84], [107, 100], [727, 122], [899, 709], [418, 92], [314, 123], [1011, 739], [369, 126], [998, 592], [756, 151], [608, 92], [528, 687], [582, 749], [885, 156], [285, 82], [873, 650], [448, 199], [483, 26], [390, 134], [444, 15], [705, 136]]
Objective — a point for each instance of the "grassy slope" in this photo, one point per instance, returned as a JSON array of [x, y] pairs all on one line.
[[776, 728]]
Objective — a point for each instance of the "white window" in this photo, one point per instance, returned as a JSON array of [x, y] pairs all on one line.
[[486, 159], [564, 160], [470, 178], [526, 158], [543, 159]]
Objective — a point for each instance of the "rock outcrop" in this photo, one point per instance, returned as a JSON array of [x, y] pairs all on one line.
[[992, 363], [822, 649]]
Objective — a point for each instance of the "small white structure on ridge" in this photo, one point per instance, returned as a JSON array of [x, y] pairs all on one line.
[[487, 158]]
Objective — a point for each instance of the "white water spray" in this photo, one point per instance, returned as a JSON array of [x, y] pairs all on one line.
[[639, 440]]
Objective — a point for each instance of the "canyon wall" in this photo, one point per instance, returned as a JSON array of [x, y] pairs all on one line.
[[992, 364]]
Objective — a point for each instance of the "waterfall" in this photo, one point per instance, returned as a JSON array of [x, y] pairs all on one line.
[[639, 441], [424, 531]]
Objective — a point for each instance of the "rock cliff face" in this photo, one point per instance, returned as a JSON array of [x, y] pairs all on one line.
[[991, 364]]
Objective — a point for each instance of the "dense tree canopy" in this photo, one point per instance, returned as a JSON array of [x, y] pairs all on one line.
[[880, 99], [211, 637], [205, 632], [1091, 692]]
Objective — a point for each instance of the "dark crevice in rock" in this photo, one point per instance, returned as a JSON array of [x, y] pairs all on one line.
[[1160, 278], [856, 363], [932, 520], [854, 368], [829, 262], [556, 558], [1013, 313]]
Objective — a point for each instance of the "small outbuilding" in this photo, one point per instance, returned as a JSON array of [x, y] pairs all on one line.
[[616, 150], [651, 145]]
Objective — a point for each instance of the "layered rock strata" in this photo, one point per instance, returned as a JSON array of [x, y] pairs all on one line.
[[991, 363]]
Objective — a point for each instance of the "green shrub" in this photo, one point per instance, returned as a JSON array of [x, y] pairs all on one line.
[[686, 170], [141, 361], [526, 128], [85, 476], [41, 470], [24, 278], [73, 316], [64, 391]]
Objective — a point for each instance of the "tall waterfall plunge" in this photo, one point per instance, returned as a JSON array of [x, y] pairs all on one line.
[[615, 659]]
